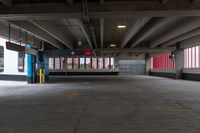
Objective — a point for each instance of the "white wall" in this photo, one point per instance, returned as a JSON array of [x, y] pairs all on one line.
[[11, 61]]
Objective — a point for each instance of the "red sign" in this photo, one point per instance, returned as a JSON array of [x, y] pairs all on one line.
[[88, 52]]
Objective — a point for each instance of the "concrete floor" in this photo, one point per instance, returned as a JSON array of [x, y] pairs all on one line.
[[121, 104]]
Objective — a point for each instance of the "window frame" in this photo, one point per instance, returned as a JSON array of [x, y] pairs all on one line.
[[23, 67], [2, 70]]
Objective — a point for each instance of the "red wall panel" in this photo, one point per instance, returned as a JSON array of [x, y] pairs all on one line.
[[162, 62]]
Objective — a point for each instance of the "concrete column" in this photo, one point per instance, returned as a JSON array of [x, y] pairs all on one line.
[[179, 63], [116, 63], [31, 70], [43, 63], [148, 64], [46, 64]]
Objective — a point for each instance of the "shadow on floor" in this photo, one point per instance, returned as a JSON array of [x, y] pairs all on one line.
[[75, 79]]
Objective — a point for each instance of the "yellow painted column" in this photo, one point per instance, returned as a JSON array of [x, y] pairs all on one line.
[[40, 76], [43, 76]]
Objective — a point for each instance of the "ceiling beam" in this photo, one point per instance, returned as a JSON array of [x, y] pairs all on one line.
[[8, 3], [39, 33], [101, 2], [195, 1], [190, 42], [109, 10], [186, 26], [149, 29], [51, 28], [15, 35], [102, 32], [182, 37], [164, 1], [70, 2], [128, 50], [134, 29], [84, 30]]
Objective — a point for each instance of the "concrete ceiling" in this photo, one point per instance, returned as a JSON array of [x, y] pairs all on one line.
[[63, 23]]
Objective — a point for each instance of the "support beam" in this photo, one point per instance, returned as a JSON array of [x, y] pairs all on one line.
[[92, 31], [164, 1], [102, 32], [140, 50], [148, 64], [149, 29], [134, 29], [32, 29], [7, 2], [101, 2], [111, 9], [83, 29], [190, 42], [185, 36], [186, 26], [51, 28], [179, 63], [195, 1], [70, 2], [15, 35]]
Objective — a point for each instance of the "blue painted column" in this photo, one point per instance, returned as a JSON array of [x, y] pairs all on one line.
[[30, 74], [43, 63], [46, 66]]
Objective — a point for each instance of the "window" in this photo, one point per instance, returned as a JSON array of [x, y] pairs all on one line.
[[76, 63], [100, 62], [162, 61], [51, 63], [112, 63], [87, 63], [56, 63], [106, 63], [82, 63], [94, 63], [21, 60], [1, 59], [69, 63], [192, 57]]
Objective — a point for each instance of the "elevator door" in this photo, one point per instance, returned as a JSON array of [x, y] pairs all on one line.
[[132, 67]]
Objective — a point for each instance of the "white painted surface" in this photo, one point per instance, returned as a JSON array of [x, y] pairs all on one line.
[[11, 61]]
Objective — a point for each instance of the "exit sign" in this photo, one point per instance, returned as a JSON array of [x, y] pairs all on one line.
[[88, 52]]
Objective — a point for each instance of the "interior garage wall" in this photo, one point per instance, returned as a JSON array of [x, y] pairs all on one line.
[[130, 64], [161, 74], [167, 73], [191, 74], [132, 67]]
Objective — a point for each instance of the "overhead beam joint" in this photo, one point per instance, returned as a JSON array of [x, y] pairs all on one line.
[[7, 2], [164, 1]]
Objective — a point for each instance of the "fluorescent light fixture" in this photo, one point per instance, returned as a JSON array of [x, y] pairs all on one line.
[[121, 26], [113, 45], [79, 43]]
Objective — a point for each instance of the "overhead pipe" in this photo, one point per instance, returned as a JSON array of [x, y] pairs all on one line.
[[87, 20]]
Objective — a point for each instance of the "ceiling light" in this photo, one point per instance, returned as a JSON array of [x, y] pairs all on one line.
[[121, 26], [112, 45], [79, 42]]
